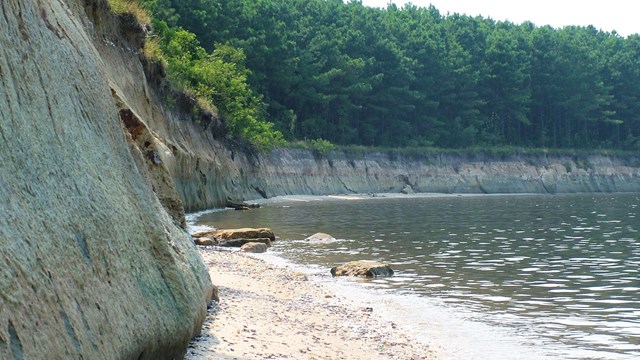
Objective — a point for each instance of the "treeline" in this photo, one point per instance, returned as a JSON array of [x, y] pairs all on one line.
[[413, 77]]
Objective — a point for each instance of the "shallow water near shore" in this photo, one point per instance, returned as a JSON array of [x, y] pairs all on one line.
[[539, 276]]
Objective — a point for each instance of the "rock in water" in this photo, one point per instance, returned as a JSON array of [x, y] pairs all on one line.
[[320, 237], [244, 233], [362, 268], [254, 247]]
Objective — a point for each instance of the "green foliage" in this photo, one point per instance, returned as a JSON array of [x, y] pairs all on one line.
[[221, 78], [409, 76]]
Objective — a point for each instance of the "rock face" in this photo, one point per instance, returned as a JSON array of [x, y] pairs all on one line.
[[362, 268], [116, 277], [254, 247], [206, 176]]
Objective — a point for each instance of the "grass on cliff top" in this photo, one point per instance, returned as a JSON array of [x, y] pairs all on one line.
[[324, 148], [131, 7]]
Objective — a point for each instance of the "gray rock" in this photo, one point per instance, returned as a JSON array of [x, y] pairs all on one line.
[[254, 247], [362, 268], [320, 237]]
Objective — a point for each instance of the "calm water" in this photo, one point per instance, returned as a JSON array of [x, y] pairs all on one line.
[[557, 275]]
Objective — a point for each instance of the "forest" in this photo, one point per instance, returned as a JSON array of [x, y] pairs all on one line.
[[401, 77]]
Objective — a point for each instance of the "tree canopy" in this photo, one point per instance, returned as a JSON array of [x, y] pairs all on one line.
[[411, 76]]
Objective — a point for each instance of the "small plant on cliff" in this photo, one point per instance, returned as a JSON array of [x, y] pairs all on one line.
[[221, 77], [321, 146], [218, 80], [130, 7]]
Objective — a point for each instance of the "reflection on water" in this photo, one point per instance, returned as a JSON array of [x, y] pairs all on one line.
[[564, 268]]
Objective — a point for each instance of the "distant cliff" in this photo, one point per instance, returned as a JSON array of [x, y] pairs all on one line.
[[206, 179], [94, 262]]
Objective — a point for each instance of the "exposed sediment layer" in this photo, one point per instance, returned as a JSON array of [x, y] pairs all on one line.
[[206, 177]]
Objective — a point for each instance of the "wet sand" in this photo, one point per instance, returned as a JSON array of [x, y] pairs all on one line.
[[269, 311]]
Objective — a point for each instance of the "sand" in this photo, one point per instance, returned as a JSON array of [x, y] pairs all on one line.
[[269, 311]]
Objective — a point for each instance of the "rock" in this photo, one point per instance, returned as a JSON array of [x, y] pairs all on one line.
[[407, 189], [205, 241], [244, 233], [254, 247], [320, 237], [215, 294], [241, 242], [362, 268]]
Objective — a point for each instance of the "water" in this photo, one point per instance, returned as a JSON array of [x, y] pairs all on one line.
[[534, 275]]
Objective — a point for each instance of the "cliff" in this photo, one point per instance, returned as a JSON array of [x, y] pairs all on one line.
[[296, 171], [95, 263]]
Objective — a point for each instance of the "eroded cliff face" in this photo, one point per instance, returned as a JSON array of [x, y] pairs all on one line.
[[94, 262]]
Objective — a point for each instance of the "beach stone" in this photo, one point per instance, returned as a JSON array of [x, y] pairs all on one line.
[[254, 247], [241, 242], [205, 241], [366, 268], [320, 237]]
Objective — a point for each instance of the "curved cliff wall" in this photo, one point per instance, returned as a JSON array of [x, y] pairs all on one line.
[[94, 262], [295, 171]]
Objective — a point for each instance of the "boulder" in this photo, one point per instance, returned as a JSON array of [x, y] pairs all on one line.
[[244, 233], [362, 268], [241, 242], [254, 247], [320, 237]]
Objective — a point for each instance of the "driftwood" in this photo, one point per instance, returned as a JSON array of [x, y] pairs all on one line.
[[240, 205]]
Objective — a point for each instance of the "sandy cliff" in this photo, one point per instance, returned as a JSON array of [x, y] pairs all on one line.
[[206, 178], [94, 262]]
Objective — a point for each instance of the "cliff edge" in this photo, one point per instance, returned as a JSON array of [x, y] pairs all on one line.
[[94, 261]]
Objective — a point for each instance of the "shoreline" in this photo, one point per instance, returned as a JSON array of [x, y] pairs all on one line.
[[269, 311]]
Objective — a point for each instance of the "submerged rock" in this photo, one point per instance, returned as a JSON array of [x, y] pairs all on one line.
[[254, 247], [320, 237], [362, 268]]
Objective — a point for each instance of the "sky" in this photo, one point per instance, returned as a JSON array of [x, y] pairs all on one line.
[[623, 16]]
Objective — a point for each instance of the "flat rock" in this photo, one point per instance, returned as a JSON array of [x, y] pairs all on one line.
[[254, 247], [244, 233], [320, 237], [362, 268]]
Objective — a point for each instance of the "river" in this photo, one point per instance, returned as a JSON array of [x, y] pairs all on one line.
[[490, 277]]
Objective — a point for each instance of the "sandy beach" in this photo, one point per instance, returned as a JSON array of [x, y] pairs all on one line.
[[269, 311]]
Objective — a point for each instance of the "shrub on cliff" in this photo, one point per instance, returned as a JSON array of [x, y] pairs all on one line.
[[218, 78]]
